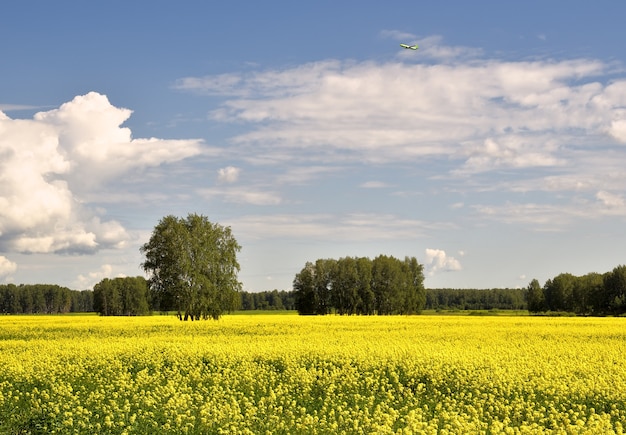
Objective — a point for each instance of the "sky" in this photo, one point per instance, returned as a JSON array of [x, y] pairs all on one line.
[[494, 154]]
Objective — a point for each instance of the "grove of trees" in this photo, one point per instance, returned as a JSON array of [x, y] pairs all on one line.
[[193, 267], [121, 297], [385, 285], [590, 294]]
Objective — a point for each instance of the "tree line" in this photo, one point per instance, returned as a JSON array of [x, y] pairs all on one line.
[[590, 294], [476, 299], [268, 300], [351, 285], [436, 299], [43, 299]]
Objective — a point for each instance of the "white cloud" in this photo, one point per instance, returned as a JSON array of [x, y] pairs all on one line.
[[610, 200], [374, 185], [557, 216], [547, 125], [510, 152], [229, 174], [618, 130], [541, 217], [50, 163], [485, 114], [347, 227], [7, 267], [16, 107], [397, 35], [242, 195], [432, 47], [438, 261], [88, 133], [295, 175], [87, 281]]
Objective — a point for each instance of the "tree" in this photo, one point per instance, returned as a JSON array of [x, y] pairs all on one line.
[[535, 297], [615, 290], [322, 283], [387, 284], [304, 290], [345, 286], [193, 266], [106, 298], [365, 295], [121, 297], [415, 294], [586, 290], [559, 292]]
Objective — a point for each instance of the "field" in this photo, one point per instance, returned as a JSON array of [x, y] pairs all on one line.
[[290, 374]]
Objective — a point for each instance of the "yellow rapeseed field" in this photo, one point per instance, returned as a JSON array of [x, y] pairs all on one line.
[[257, 374]]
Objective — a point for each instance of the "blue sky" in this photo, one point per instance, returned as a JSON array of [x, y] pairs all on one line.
[[494, 154]]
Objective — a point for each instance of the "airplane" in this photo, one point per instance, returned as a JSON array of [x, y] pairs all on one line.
[[412, 47]]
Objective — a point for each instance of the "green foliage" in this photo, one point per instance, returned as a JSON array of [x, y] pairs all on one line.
[[590, 294], [476, 299], [41, 299], [193, 266], [614, 298], [121, 297], [535, 297], [274, 300], [303, 287], [381, 286]]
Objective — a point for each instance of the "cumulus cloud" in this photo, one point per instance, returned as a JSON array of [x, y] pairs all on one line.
[[438, 261], [229, 174], [92, 278], [49, 163], [7, 267]]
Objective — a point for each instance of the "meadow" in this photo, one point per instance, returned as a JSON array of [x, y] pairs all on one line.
[[289, 374]]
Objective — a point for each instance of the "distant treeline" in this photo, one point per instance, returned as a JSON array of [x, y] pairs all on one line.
[[472, 299], [43, 299], [436, 299], [268, 300]]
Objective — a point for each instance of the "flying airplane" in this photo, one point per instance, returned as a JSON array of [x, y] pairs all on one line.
[[412, 47]]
